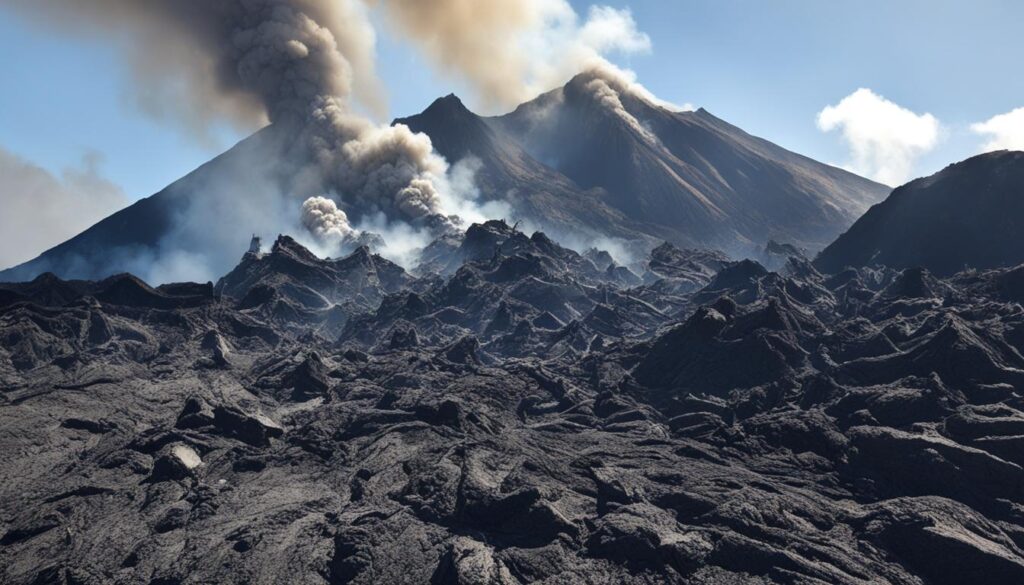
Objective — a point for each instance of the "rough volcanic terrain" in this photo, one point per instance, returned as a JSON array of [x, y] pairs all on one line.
[[514, 412]]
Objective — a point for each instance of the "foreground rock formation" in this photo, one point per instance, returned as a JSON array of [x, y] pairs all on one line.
[[514, 412]]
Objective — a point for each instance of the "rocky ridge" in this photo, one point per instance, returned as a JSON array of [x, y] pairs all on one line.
[[967, 215]]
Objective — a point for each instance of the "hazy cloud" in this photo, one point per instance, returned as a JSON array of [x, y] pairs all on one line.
[[41, 210], [1005, 131], [885, 139], [512, 50]]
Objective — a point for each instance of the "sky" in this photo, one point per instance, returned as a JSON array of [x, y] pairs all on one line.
[[933, 76]]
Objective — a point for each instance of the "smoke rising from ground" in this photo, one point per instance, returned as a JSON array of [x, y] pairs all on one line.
[[323, 219]]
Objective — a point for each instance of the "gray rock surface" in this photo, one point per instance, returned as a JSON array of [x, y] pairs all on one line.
[[514, 413]]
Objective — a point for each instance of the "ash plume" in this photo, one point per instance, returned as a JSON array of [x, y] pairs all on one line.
[[322, 218], [298, 64], [510, 51], [306, 68], [204, 61]]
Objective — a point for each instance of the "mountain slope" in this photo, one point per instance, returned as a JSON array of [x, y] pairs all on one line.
[[508, 173], [968, 215], [687, 177], [146, 236]]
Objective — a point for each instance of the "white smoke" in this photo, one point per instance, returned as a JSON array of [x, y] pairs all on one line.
[[623, 82], [461, 196], [401, 242]]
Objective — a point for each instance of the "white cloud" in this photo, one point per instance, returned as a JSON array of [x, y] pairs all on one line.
[[608, 29], [39, 210], [1005, 131], [885, 139]]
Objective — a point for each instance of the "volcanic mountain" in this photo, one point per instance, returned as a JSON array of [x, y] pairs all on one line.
[[592, 160], [686, 177], [968, 215]]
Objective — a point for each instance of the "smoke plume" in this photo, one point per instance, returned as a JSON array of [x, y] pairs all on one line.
[[607, 87], [203, 61], [293, 62], [322, 218], [307, 68], [512, 50]]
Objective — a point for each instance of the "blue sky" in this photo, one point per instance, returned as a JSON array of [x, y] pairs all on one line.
[[766, 66]]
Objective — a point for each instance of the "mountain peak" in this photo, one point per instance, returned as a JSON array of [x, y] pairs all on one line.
[[690, 178], [446, 107], [455, 131]]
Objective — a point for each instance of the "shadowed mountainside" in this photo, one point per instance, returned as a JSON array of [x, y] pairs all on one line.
[[969, 215]]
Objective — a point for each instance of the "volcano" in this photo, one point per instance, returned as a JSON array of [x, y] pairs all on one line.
[[589, 161], [686, 177]]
